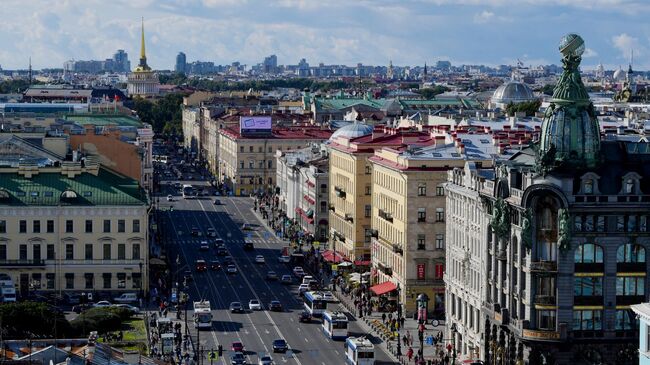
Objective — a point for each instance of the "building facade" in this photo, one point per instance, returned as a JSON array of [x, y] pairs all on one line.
[[143, 81]]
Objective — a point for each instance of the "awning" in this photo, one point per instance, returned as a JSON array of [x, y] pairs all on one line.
[[329, 256], [309, 199], [309, 183], [362, 262], [383, 288]]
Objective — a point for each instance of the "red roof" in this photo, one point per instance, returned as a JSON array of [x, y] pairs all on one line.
[[329, 256], [361, 263], [383, 288], [296, 132]]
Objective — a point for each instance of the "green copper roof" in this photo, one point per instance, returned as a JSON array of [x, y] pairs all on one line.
[[45, 189], [105, 119]]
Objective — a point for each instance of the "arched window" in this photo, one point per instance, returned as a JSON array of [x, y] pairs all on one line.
[[589, 186], [588, 253], [629, 186], [630, 253]]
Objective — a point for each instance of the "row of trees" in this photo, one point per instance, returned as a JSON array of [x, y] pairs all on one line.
[[164, 114], [262, 85]]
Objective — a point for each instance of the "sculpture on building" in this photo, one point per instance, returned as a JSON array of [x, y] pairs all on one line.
[[526, 229], [500, 222], [564, 230]]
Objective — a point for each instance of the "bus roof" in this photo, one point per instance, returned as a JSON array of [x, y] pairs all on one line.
[[313, 295], [339, 316], [359, 342]]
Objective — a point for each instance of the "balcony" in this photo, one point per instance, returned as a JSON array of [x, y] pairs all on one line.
[[385, 215], [385, 269], [339, 192], [588, 300], [543, 266], [398, 249], [349, 218], [373, 233], [22, 263], [501, 255], [541, 299], [502, 317], [331, 208]]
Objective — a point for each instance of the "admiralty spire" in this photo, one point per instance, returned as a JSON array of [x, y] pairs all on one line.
[[143, 81]]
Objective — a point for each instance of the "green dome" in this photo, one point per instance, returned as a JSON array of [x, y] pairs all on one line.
[[570, 132]]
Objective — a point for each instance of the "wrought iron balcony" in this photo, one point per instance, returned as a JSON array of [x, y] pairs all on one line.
[[21, 263], [398, 249], [543, 266], [545, 299]]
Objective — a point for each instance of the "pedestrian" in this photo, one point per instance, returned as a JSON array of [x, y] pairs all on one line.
[[405, 340], [401, 322], [408, 334], [383, 318], [409, 353]]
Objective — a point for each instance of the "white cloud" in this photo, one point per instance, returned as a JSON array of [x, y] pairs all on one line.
[[589, 53], [626, 43], [483, 17]]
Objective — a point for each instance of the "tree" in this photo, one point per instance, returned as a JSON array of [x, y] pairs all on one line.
[[163, 114], [22, 320], [548, 89], [430, 93], [15, 86], [99, 319], [529, 107]]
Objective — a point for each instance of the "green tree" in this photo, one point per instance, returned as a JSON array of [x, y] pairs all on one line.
[[15, 86], [547, 89], [528, 107], [430, 93], [31, 319], [173, 79], [163, 114]]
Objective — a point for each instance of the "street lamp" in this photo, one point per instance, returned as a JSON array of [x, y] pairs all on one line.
[[141, 282], [422, 301], [399, 317], [454, 330]]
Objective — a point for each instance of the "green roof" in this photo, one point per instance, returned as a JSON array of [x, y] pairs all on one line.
[[104, 119], [45, 189], [342, 103]]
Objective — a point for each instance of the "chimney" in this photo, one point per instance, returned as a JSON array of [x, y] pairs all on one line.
[[461, 148], [513, 122]]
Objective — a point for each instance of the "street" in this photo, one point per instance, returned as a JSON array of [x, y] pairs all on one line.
[[257, 329]]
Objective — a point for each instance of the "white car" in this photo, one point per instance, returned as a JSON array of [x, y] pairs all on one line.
[[298, 271], [284, 259], [266, 360], [232, 269], [254, 305], [259, 259], [103, 303], [303, 288], [133, 309], [170, 198], [329, 297]]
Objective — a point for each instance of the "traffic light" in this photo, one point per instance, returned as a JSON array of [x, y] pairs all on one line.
[[220, 350]]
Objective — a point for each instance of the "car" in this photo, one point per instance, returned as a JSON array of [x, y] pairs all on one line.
[[201, 265], [329, 297], [265, 360], [280, 345], [204, 246], [126, 298], [195, 231], [187, 276], [275, 306], [82, 307], [215, 265], [217, 202], [238, 358], [254, 305], [259, 259], [286, 279], [304, 317], [298, 271], [284, 259], [246, 227], [231, 269], [248, 245], [227, 260], [72, 298], [236, 307], [237, 346], [103, 303], [133, 309], [271, 275], [306, 279], [221, 251], [303, 288], [219, 242], [211, 232], [170, 198], [313, 285]]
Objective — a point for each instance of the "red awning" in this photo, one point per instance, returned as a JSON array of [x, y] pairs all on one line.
[[383, 288], [309, 199], [298, 210], [329, 256], [362, 262], [309, 183]]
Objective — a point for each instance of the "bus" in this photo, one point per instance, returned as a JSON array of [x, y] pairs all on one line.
[[335, 325], [359, 351], [188, 191], [315, 304], [202, 314]]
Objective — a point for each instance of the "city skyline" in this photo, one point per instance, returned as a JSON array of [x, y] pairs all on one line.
[[408, 33]]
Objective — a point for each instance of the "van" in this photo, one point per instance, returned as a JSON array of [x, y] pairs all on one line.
[[8, 293], [126, 298], [307, 278]]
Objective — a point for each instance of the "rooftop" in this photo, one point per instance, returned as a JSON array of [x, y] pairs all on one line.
[[105, 119], [295, 132]]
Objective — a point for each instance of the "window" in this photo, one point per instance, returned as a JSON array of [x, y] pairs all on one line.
[[368, 169], [251, 164], [241, 164], [631, 223], [36, 226], [49, 280], [546, 320], [107, 251], [136, 251], [241, 149], [69, 280], [107, 226], [323, 188], [422, 214], [440, 190], [87, 193], [250, 148], [269, 164], [422, 189], [36, 280], [440, 214], [136, 226], [89, 226], [588, 186], [50, 252], [588, 253], [440, 241], [620, 223], [107, 280], [69, 226], [259, 149], [121, 251], [422, 242], [323, 207], [22, 253], [589, 223], [36, 252], [600, 223], [23, 226], [69, 251], [88, 251], [90, 280], [50, 226], [261, 163], [630, 285], [439, 271], [121, 280], [3, 226], [626, 320], [121, 226], [3, 252], [587, 320], [587, 286], [137, 280], [629, 186], [368, 189], [630, 253], [367, 209], [643, 223]]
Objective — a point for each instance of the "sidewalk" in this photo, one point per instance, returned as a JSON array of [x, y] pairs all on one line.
[[154, 340]]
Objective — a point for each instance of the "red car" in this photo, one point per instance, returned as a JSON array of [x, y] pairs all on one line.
[[201, 265], [237, 346]]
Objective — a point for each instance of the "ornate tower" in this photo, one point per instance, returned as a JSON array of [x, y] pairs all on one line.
[[143, 81], [570, 132]]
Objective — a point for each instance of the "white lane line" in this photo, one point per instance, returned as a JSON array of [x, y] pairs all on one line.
[[306, 340]]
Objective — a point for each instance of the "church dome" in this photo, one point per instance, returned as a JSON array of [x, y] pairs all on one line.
[[512, 92], [619, 75], [353, 130]]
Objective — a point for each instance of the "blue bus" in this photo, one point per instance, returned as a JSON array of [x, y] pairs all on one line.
[[314, 303], [335, 325]]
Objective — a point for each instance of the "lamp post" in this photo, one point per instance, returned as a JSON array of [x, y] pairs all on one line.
[[399, 317], [141, 281], [423, 302], [454, 330]]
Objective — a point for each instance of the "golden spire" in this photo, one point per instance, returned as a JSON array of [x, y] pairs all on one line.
[[142, 53], [142, 66]]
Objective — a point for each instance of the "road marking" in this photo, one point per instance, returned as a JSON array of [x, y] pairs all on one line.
[[298, 328], [337, 352], [306, 340]]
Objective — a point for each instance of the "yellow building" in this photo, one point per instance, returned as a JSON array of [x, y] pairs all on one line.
[[66, 227], [143, 81], [408, 215]]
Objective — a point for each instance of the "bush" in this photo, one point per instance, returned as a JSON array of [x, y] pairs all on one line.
[[22, 319], [100, 319]]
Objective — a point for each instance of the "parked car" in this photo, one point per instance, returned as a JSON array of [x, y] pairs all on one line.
[[72, 298], [82, 307], [102, 304], [280, 345], [133, 309], [126, 298]]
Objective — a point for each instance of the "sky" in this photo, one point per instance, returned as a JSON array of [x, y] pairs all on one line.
[[372, 32]]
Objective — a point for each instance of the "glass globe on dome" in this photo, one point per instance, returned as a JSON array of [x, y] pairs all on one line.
[[572, 45]]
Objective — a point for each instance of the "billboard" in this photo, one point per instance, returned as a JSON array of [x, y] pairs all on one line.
[[255, 125]]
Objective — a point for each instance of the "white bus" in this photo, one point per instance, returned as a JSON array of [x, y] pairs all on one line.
[[335, 325], [188, 191], [359, 351], [315, 304], [202, 314]]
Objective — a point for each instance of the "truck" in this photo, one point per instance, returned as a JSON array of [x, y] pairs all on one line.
[[202, 314]]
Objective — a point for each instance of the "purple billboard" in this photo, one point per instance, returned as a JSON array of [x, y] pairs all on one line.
[[255, 125]]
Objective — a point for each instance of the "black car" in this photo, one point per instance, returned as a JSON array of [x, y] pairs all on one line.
[[236, 307], [280, 345], [221, 251], [227, 260], [215, 265], [275, 306], [82, 307], [304, 317]]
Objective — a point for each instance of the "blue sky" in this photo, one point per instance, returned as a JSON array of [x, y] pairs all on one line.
[[408, 32]]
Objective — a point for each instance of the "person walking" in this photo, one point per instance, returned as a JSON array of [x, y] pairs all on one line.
[[409, 353], [383, 318], [408, 334], [405, 340]]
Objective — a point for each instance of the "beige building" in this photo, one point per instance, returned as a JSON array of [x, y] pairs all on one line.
[[143, 81], [66, 227], [408, 216], [247, 164]]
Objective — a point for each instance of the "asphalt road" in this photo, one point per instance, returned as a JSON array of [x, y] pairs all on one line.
[[256, 330]]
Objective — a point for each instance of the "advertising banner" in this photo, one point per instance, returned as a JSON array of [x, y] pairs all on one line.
[[255, 125]]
